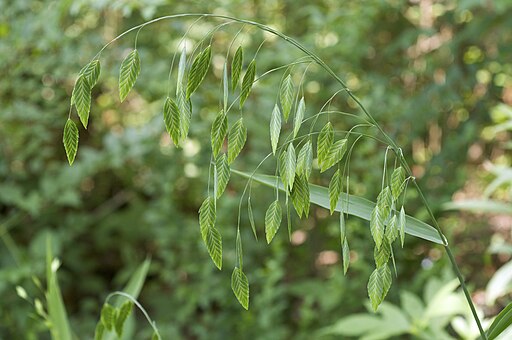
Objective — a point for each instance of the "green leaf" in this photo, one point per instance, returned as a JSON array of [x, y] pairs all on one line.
[[172, 120], [324, 143], [350, 204], [108, 316], [239, 249], [382, 255], [300, 195], [213, 242], [198, 70], [57, 314], [384, 203], [488, 206], [236, 139], [290, 163], [225, 86], [343, 228], [299, 116], [401, 225], [240, 286], [391, 232], [397, 182], [286, 96], [185, 109], [122, 315], [182, 66], [91, 72], [99, 331], [219, 131], [275, 128], [273, 220], [70, 140], [336, 153], [81, 98], [251, 218], [236, 67], [500, 323], [128, 73], [346, 256], [247, 82], [335, 187], [305, 160], [207, 215], [223, 173], [385, 274], [377, 227]]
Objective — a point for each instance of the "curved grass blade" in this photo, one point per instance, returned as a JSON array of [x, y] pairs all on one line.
[[352, 205]]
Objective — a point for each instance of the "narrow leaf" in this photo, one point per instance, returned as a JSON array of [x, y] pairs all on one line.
[[299, 116], [172, 120], [81, 98], [251, 218], [70, 140], [198, 70], [219, 131], [335, 187], [275, 128], [225, 86], [91, 72], [397, 182], [500, 323], [350, 204], [346, 256], [213, 241], [182, 65], [324, 143], [240, 286], [273, 219], [247, 82], [128, 73], [236, 139], [239, 250], [236, 67], [223, 173], [305, 160], [286, 96]]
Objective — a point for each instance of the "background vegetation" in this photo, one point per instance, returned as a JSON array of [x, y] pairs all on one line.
[[436, 74]]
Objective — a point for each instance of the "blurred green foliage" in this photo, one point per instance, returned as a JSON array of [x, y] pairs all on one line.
[[429, 71]]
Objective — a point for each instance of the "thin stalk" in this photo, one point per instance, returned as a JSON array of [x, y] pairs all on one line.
[[372, 120]]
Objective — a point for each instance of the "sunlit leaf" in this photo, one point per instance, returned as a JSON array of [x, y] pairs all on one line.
[[182, 66], [185, 109], [236, 67], [236, 139], [350, 204], [247, 82], [286, 96], [70, 140], [223, 173], [128, 73], [273, 219], [198, 71], [299, 116], [81, 98], [219, 131], [240, 286], [275, 128], [172, 120]]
